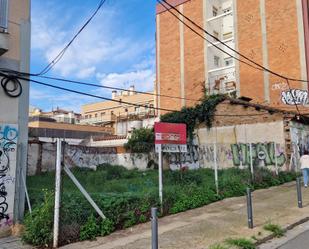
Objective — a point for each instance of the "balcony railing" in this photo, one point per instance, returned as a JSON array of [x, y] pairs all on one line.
[[224, 83], [4, 4]]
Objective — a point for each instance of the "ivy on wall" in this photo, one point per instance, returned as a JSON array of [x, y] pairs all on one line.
[[142, 140], [191, 116]]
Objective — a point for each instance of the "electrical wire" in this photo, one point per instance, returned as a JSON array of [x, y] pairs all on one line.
[[11, 86], [125, 102], [260, 67], [62, 52]]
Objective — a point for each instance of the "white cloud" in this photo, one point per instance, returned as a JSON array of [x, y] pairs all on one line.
[[100, 42], [143, 80], [47, 100]]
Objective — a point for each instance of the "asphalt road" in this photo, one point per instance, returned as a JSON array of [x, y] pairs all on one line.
[[299, 242]]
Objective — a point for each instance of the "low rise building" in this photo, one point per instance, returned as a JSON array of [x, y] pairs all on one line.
[[59, 115], [127, 110]]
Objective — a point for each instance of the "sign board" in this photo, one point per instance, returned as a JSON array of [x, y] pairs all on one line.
[[169, 133], [177, 148], [169, 138]]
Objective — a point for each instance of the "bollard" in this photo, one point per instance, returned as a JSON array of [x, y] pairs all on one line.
[[249, 209], [154, 228], [299, 196]]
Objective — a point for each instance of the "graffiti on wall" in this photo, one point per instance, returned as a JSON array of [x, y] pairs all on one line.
[[279, 86], [8, 143], [299, 143], [295, 96], [263, 154]]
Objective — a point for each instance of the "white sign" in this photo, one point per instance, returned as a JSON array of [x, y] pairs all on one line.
[[176, 148]]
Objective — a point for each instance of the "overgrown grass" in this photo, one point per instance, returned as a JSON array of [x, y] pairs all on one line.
[[241, 243], [275, 229], [126, 196]]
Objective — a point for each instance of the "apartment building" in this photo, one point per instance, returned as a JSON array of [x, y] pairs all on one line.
[[58, 114], [121, 114], [14, 55], [274, 34]]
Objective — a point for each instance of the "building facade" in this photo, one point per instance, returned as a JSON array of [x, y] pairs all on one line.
[[274, 34], [14, 55], [123, 114], [59, 115]]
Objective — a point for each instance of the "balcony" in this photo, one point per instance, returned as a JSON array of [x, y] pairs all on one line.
[[4, 36], [98, 120], [223, 82]]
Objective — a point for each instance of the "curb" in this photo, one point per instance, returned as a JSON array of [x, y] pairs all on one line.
[[287, 228]]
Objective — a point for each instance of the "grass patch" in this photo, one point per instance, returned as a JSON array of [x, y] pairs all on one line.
[[276, 230], [241, 243], [218, 246], [126, 196]]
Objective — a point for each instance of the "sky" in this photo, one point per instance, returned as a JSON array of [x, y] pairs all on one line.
[[116, 49]]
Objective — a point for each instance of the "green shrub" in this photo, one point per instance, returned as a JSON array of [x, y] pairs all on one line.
[[90, 230], [106, 227], [39, 224]]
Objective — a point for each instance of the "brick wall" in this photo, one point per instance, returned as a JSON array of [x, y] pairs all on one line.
[[283, 51]]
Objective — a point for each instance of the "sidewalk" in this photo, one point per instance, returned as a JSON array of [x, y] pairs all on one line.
[[205, 226]]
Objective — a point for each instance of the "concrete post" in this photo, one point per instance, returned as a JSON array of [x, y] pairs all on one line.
[[154, 228]]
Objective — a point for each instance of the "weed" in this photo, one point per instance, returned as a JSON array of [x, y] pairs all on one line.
[[275, 229], [241, 243], [218, 246]]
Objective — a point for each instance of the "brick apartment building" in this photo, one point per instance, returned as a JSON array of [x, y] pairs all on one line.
[[275, 34]]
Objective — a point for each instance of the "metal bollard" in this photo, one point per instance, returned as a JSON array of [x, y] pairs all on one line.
[[299, 195], [154, 228], [249, 209]]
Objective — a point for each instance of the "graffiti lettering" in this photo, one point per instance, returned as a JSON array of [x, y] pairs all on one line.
[[8, 139], [280, 86], [263, 154], [295, 96]]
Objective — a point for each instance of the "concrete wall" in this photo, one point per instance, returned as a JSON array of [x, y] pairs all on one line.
[[42, 157], [14, 111], [299, 142]]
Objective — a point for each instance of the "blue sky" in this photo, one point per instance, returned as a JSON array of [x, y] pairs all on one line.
[[117, 48]]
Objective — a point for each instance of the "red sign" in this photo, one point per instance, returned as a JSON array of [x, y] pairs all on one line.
[[169, 133]]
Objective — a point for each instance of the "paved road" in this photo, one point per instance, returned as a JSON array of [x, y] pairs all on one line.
[[299, 242]]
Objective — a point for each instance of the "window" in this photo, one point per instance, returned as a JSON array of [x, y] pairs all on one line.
[[112, 112], [136, 109], [214, 11], [102, 114], [90, 116], [86, 116], [215, 34], [96, 115], [228, 61], [216, 61]]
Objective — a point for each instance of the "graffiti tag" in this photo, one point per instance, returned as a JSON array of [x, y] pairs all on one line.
[[8, 139], [263, 154], [294, 97]]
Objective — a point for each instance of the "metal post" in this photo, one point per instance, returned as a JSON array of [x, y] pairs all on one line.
[[160, 177], [216, 168], [251, 162], [57, 194], [154, 228], [249, 208], [276, 160], [299, 195]]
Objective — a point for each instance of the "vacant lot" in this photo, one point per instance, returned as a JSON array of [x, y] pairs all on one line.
[[126, 196]]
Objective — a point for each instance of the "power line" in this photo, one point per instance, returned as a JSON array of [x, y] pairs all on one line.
[[125, 102], [224, 44], [62, 52], [260, 67], [114, 88]]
